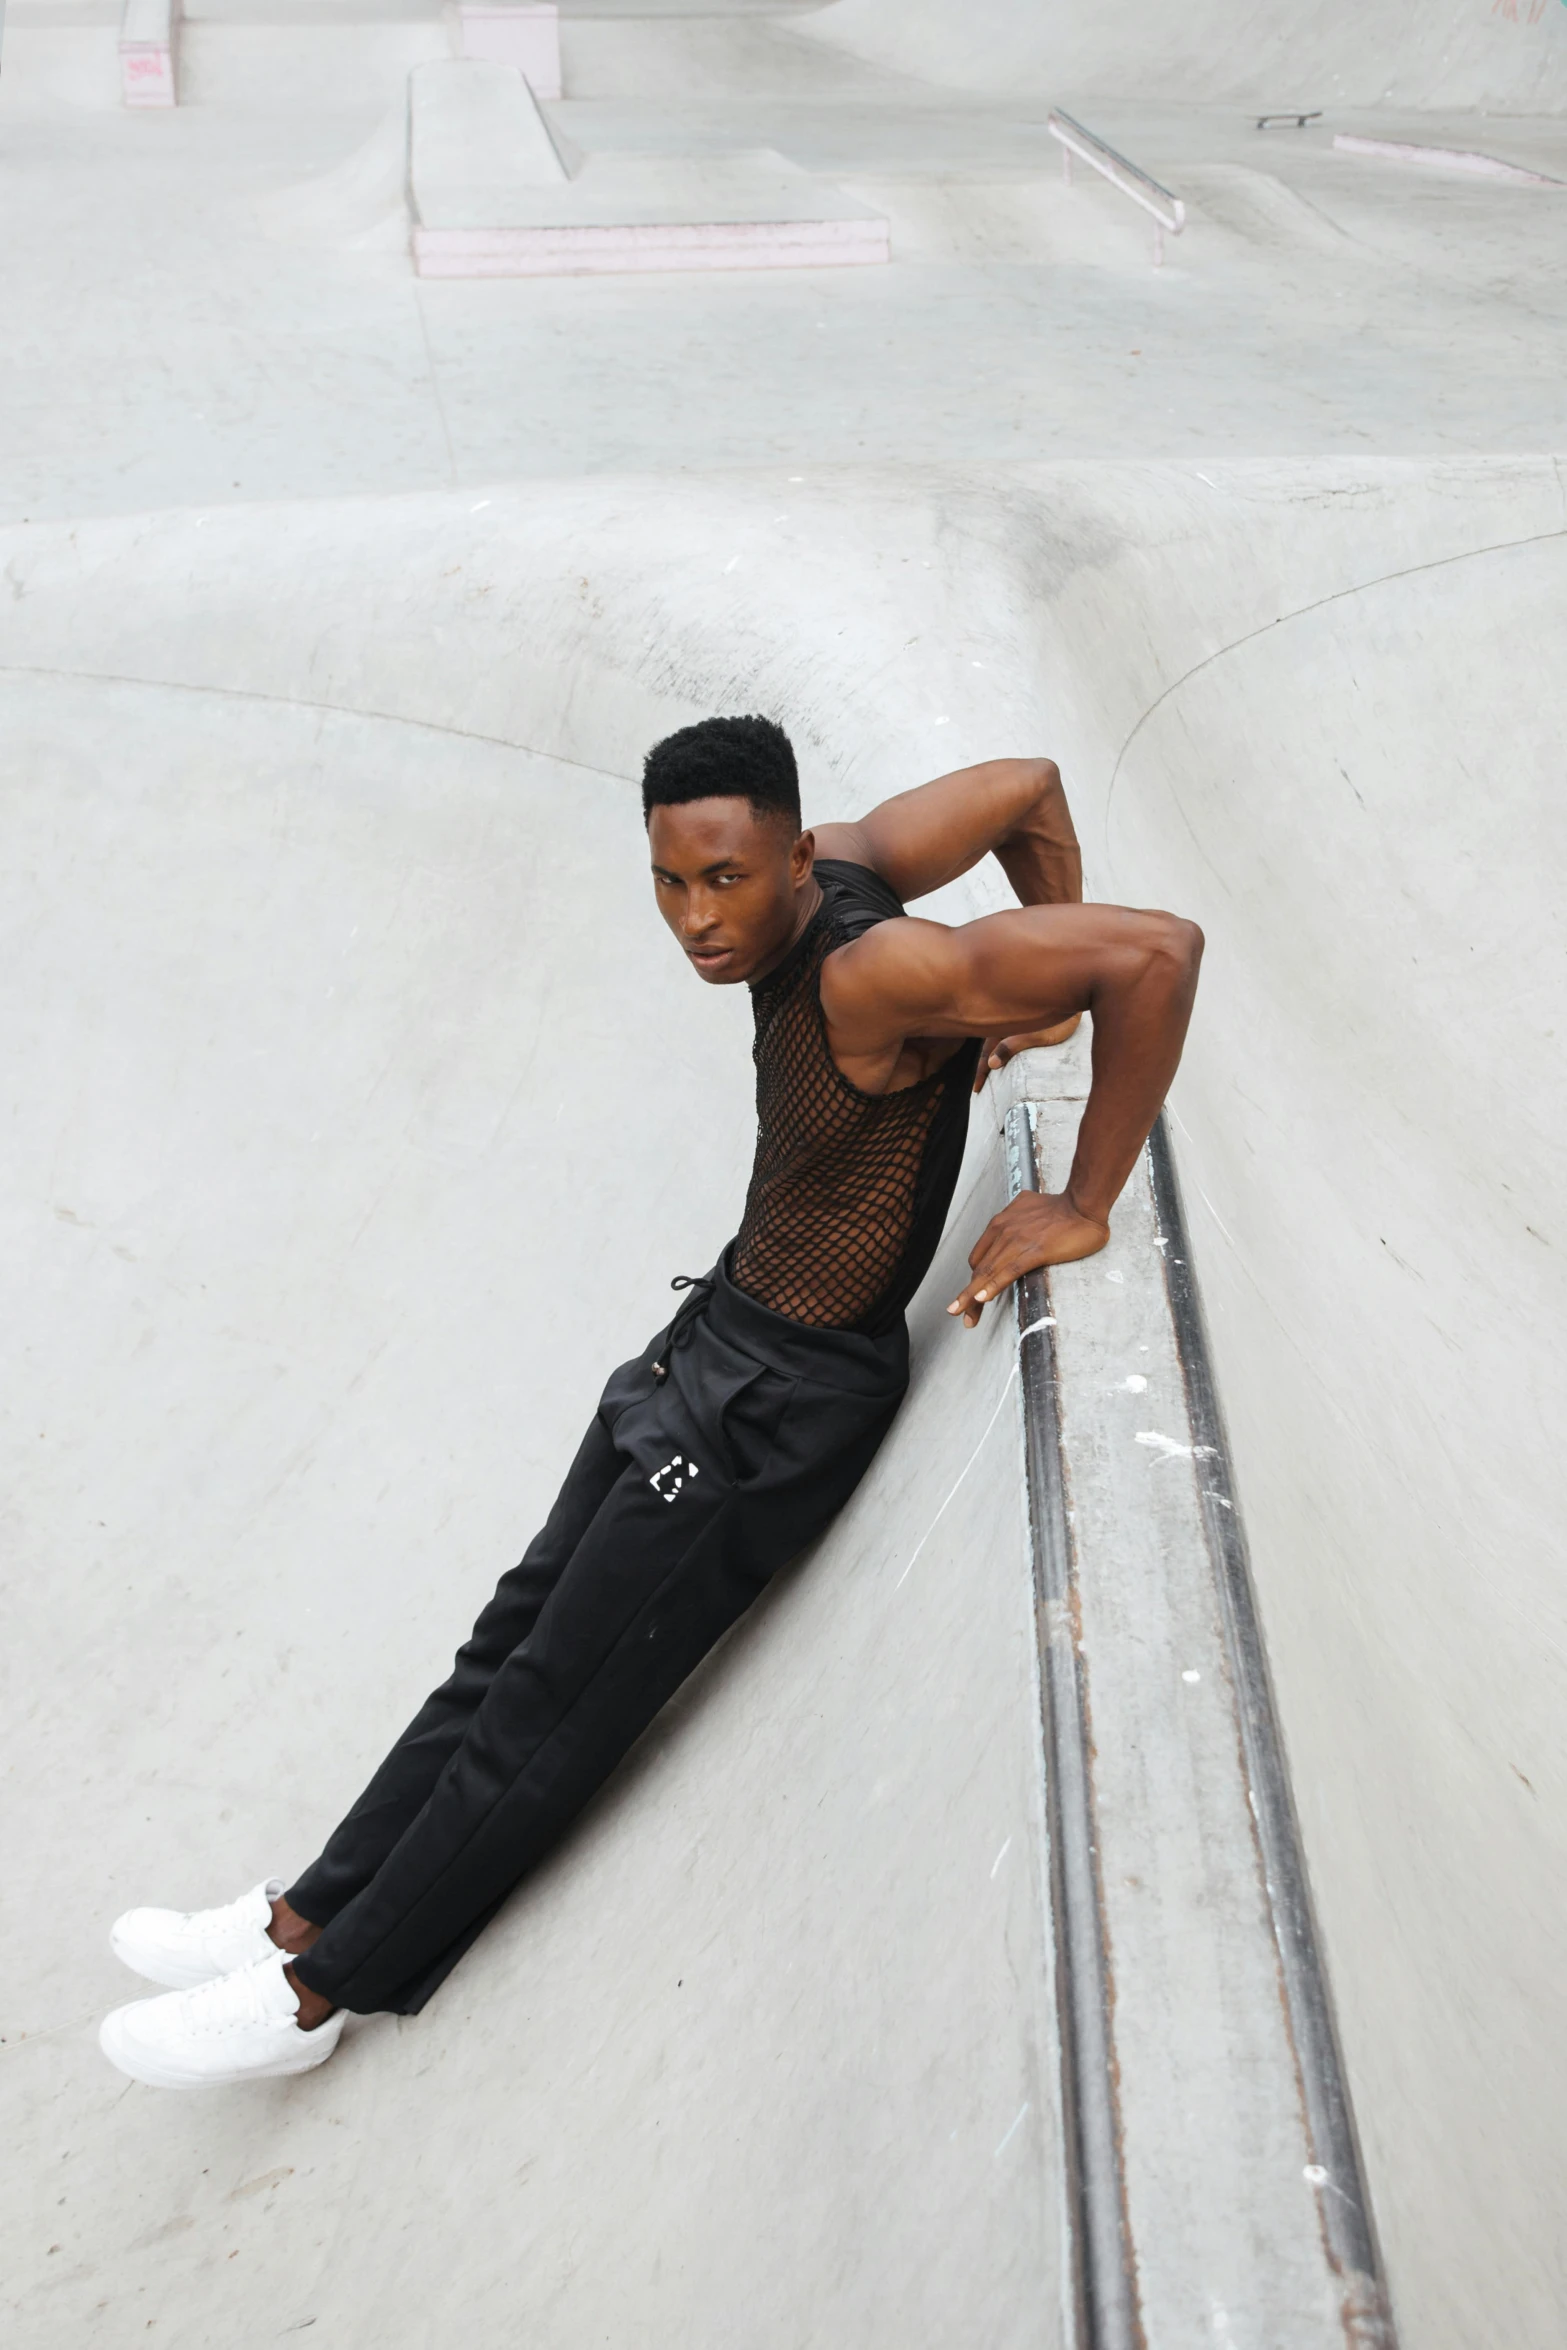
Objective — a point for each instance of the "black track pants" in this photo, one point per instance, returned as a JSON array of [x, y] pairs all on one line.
[[688, 1492]]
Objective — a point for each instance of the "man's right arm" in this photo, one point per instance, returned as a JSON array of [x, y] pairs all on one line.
[[1012, 809]]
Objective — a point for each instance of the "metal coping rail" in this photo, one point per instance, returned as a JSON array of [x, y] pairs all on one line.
[[1344, 2207], [1102, 2266], [1167, 209]]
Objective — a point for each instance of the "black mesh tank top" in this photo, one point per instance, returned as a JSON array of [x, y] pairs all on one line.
[[850, 1190]]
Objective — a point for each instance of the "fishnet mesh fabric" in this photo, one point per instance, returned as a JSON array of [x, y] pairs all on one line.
[[834, 1190]]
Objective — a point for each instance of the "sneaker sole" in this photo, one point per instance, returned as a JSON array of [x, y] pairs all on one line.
[[139, 2067]]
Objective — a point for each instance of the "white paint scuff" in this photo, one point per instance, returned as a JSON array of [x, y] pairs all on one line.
[[1170, 1449]]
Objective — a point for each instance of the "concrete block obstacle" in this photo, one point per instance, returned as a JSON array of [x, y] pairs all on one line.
[[520, 33], [492, 196], [477, 144], [149, 47]]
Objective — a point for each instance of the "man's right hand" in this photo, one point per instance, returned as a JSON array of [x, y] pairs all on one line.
[[1037, 1228]]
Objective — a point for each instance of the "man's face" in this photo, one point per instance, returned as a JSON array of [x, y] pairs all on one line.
[[729, 884]]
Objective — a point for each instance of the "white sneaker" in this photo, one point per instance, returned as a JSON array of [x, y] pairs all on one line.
[[244, 2027], [181, 1947]]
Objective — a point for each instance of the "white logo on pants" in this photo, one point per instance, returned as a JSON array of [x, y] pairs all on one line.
[[679, 1469]]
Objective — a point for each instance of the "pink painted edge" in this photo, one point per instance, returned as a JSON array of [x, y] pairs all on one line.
[[645, 264], [646, 247], [1461, 158], [653, 236], [147, 74]]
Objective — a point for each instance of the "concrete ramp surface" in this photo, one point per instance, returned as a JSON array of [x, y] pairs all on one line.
[[358, 1113], [399, 1112], [350, 1154], [1506, 55]]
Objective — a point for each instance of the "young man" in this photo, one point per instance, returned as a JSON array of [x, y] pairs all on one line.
[[741, 1430]]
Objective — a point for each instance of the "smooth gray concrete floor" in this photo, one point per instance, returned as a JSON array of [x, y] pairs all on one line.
[[190, 327], [341, 595], [369, 1110], [1347, 798]]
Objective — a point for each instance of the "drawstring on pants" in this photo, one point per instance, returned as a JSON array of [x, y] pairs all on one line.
[[701, 1289]]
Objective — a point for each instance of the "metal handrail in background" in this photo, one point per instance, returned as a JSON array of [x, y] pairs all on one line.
[[1168, 211]]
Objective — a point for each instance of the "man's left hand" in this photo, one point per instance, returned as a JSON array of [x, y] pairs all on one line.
[[996, 1051], [1037, 1228]]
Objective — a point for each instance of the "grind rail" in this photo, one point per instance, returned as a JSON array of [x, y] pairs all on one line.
[[1168, 212]]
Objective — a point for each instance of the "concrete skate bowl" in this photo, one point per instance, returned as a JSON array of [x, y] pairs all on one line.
[[361, 1118]]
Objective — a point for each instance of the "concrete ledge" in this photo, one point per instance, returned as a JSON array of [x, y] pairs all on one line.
[[492, 196], [149, 47], [520, 33], [478, 148], [1216, 2161]]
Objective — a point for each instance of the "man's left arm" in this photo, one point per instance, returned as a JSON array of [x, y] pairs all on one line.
[[1135, 971]]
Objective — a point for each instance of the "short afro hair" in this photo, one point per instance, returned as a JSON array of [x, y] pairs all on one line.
[[724, 759]]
